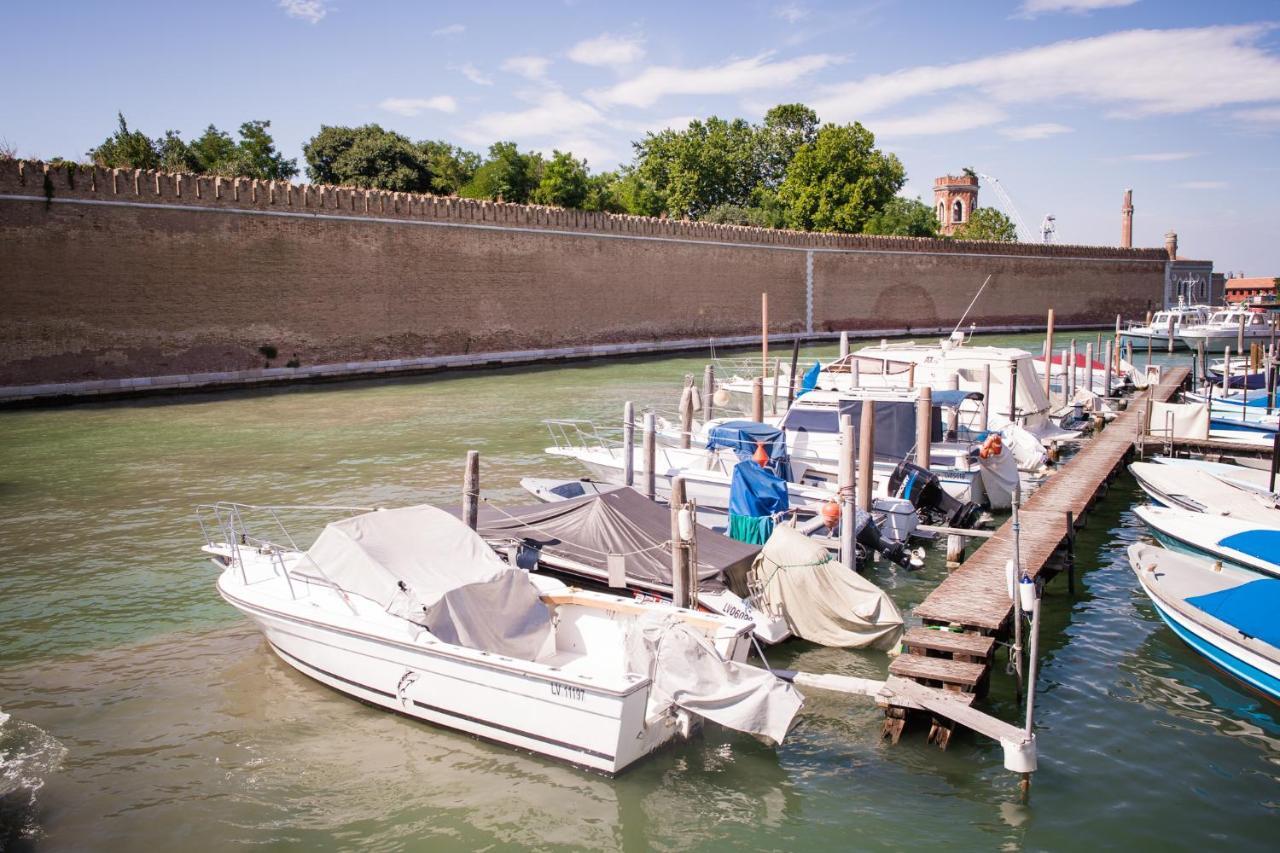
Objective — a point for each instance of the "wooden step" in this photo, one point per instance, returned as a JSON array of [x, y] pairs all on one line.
[[949, 673], [967, 647]]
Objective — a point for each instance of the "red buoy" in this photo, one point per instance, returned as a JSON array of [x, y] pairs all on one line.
[[761, 456]]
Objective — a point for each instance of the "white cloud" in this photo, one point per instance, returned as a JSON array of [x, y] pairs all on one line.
[[1203, 185], [1138, 72], [533, 67], [792, 13], [451, 30], [1031, 8], [310, 11], [950, 118], [475, 75], [413, 106], [1162, 156], [1261, 115], [552, 113], [608, 49], [1034, 131], [733, 77]]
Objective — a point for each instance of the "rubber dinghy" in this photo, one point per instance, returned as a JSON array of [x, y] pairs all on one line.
[[1224, 613], [1200, 491], [1244, 543], [409, 609]]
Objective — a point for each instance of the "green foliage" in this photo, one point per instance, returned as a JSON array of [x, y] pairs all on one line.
[[711, 162], [968, 172], [256, 155], [987, 223], [507, 175], [903, 217], [787, 128], [638, 195], [367, 156], [733, 214], [838, 181], [175, 155], [212, 148], [451, 167], [564, 182], [602, 193], [126, 149]]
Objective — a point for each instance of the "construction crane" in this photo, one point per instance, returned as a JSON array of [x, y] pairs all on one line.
[[1024, 233], [1048, 228]]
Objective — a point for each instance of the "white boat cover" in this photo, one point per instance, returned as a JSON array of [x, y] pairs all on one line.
[[1200, 491], [688, 672], [821, 600], [1027, 449], [999, 478], [426, 566], [1187, 420]]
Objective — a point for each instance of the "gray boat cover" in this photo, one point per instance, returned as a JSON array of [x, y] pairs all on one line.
[[588, 529], [689, 673], [424, 565], [823, 601]]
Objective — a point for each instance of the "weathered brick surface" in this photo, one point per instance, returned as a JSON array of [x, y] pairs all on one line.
[[103, 288]]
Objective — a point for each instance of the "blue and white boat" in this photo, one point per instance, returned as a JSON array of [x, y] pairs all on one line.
[[1239, 541], [1224, 613]]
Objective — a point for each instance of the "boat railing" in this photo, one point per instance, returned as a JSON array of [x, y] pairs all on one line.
[[583, 434]]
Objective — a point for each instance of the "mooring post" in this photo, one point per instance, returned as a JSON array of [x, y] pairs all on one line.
[[1117, 328], [1240, 336], [1048, 357], [844, 344], [679, 548], [1015, 651], [777, 372], [1271, 395], [844, 484], [1071, 373], [1170, 333], [924, 427], [1275, 462], [955, 550], [1033, 666], [471, 489], [857, 374], [757, 399], [984, 414], [1128, 349], [764, 335], [911, 374], [686, 416], [1071, 553], [708, 392], [1013, 390], [795, 365], [953, 413], [1226, 372], [1202, 366], [1106, 368], [1088, 367], [629, 443], [650, 456], [866, 445], [1150, 335]]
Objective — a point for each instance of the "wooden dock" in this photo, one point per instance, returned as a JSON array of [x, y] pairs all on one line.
[[972, 604]]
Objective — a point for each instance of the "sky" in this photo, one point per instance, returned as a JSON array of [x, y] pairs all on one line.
[[1066, 102]]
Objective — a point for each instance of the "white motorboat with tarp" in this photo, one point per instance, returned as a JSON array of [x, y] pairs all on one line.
[[1240, 476], [1156, 332], [1226, 614], [1226, 328], [410, 610], [1200, 491], [1245, 543], [581, 539]]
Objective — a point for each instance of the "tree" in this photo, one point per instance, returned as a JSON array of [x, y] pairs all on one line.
[[602, 193], [367, 156], [256, 155], [838, 181], [564, 182], [638, 195], [451, 167], [787, 128], [987, 223], [711, 162], [175, 155], [903, 217], [732, 214], [212, 148], [507, 175], [126, 149]]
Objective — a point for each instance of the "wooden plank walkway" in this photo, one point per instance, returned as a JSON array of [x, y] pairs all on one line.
[[975, 597]]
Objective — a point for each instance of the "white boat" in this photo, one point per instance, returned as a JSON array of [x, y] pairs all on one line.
[[1224, 329], [1224, 613], [1157, 331], [1240, 476], [408, 609], [1200, 491], [1242, 542]]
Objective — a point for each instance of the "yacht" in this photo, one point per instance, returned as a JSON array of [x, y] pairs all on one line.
[[1157, 331], [1225, 329]]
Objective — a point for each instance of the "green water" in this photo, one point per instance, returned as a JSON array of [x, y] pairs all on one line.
[[182, 730]]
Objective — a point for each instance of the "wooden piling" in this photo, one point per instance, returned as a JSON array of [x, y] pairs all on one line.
[[1107, 367], [844, 344], [1088, 366], [953, 414], [845, 490], [1070, 540], [764, 335], [679, 548], [1226, 369], [955, 550], [471, 489], [1170, 349], [1240, 336], [984, 420], [1069, 379], [1048, 356], [757, 399], [777, 373], [686, 416], [650, 456], [924, 423], [795, 365], [866, 444], [629, 443], [708, 392]]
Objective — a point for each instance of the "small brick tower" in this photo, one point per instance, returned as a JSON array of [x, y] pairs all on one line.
[[1126, 221], [955, 198]]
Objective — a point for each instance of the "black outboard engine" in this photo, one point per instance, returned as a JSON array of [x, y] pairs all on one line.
[[867, 535], [923, 488]]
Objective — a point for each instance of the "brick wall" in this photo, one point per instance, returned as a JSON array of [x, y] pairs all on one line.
[[110, 273]]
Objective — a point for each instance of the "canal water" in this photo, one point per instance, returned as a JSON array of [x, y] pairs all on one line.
[[138, 711]]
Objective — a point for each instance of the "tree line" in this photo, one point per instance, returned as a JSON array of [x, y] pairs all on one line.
[[789, 171]]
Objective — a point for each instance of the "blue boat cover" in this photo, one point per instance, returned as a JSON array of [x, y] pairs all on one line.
[[1262, 543], [756, 492], [1250, 608], [810, 379], [742, 436], [951, 399]]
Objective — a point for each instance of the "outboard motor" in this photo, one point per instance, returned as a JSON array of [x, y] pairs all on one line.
[[923, 488], [867, 535]]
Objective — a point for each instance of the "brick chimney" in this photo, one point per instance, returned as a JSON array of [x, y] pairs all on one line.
[[1126, 221], [1171, 245]]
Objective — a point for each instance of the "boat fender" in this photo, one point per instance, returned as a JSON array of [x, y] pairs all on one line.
[[1020, 755]]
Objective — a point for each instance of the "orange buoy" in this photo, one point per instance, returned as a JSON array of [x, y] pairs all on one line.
[[831, 514], [761, 456]]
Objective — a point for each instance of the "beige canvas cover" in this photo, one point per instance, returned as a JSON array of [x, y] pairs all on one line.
[[1187, 420], [426, 566], [820, 599]]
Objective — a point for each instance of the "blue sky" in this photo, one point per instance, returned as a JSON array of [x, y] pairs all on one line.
[[1067, 102]]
